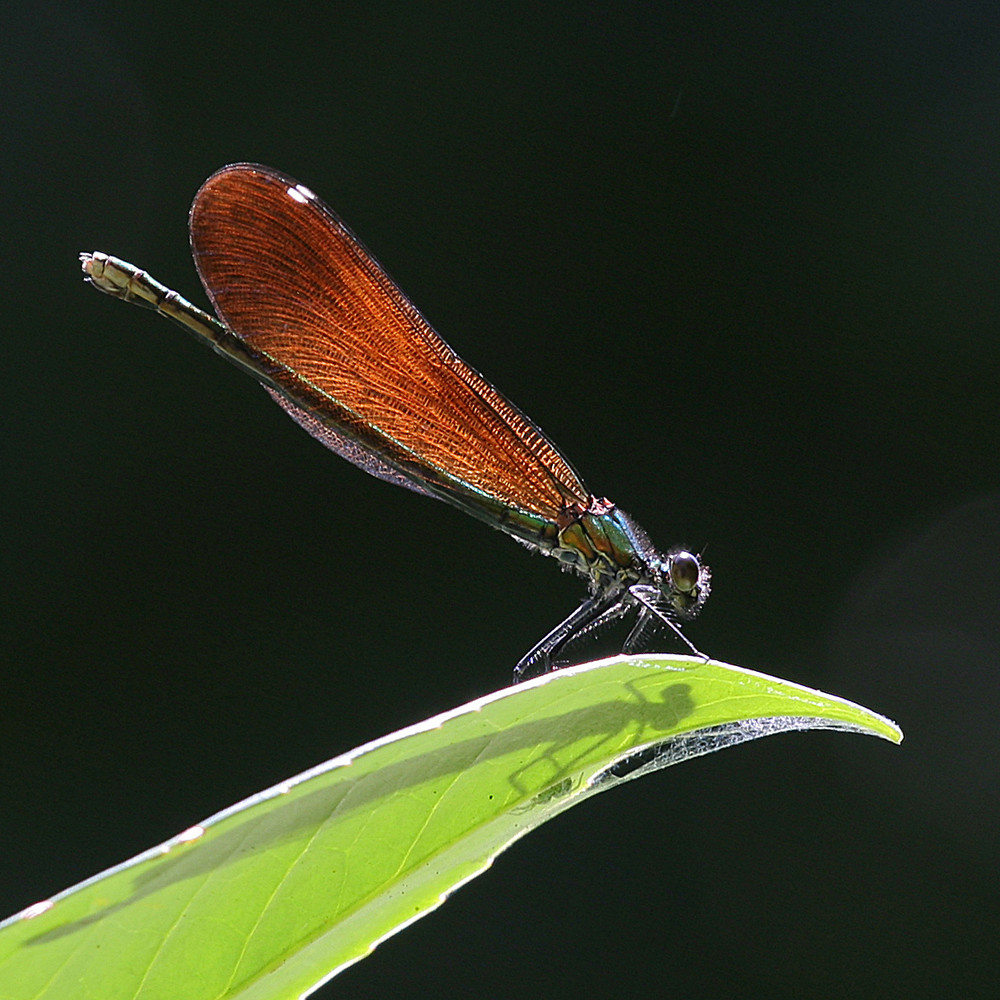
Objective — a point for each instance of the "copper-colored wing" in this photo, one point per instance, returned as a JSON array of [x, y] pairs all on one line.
[[351, 351]]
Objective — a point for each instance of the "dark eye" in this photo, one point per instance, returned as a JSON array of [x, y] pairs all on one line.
[[684, 571]]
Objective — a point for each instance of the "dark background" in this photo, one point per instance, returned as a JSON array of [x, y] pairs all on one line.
[[739, 261]]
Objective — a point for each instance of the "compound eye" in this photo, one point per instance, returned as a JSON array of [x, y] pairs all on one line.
[[685, 570]]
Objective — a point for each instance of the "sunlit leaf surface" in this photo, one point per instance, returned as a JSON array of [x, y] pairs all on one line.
[[281, 891]]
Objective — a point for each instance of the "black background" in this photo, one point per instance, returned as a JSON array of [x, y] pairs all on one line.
[[739, 261]]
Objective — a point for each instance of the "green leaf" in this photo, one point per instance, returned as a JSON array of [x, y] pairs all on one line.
[[280, 892]]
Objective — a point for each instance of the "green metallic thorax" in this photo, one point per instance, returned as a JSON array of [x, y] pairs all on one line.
[[601, 547]]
